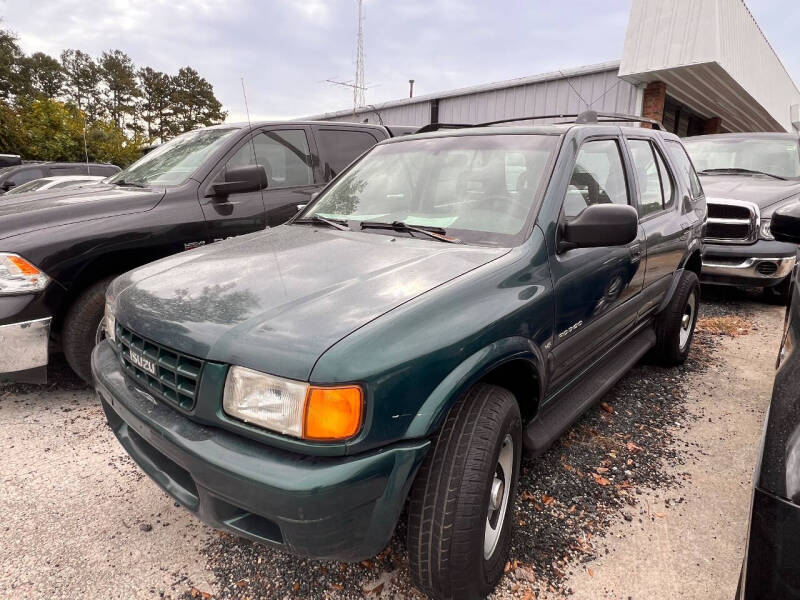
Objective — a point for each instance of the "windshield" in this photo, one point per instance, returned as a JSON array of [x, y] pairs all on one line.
[[174, 162], [780, 157], [477, 188], [36, 184]]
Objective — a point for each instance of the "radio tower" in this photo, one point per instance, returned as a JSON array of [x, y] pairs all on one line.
[[360, 84]]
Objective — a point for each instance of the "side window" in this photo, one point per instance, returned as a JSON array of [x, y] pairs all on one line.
[[339, 148], [598, 178], [25, 176], [666, 180], [685, 168], [284, 154], [648, 178]]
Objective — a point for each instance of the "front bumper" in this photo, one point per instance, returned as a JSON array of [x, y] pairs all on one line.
[[763, 264], [23, 346], [342, 508]]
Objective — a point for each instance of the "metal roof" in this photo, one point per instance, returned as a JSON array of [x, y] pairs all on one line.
[[486, 87]]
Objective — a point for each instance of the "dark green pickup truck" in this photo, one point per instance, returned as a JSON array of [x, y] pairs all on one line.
[[449, 300]]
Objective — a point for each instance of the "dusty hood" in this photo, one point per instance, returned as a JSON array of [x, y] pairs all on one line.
[[276, 300], [763, 191], [50, 208]]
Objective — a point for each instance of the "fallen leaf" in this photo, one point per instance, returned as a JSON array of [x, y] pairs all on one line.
[[296, 586], [194, 592], [366, 563], [607, 407], [242, 583], [205, 595], [660, 515], [591, 572], [527, 496], [600, 480], [569, 467], [602, 470], [528, 595], [337, 586], [633, 447], [377, 589], [547, 500]]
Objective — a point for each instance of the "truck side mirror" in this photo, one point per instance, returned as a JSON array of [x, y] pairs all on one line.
[[785, 224], [240, 180], [600, 225]]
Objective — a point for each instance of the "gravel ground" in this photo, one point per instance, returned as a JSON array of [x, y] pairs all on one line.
[[79, 517]]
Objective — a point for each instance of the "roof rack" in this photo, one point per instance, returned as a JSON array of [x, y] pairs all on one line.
[[588, 116]]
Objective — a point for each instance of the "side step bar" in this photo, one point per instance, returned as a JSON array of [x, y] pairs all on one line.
[[561, 412]]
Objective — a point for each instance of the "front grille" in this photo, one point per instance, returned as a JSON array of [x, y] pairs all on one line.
[[767, 268], [732, 222], [176, 376]]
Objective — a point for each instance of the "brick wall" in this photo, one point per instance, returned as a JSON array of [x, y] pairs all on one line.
[[653, 101]]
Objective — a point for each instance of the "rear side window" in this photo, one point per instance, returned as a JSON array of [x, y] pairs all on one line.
[[598, 178], [652, 177], [25, 176], [69, 170], [685, 167], [339, 148]]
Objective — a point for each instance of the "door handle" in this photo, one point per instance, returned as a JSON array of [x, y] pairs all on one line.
[[635, 252]]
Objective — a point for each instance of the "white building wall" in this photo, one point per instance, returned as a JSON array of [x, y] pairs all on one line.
[[714, 51]]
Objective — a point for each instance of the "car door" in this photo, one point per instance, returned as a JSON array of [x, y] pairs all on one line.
[[597, 290], [235, 214], [659, 215], [287, 152]]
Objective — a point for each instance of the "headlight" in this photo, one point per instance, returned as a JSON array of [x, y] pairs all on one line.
[[110, 322], [765, 233], [293, 407], [18, 276]]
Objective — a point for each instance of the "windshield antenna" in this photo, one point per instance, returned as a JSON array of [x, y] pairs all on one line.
[[86, 148], [249, 125]]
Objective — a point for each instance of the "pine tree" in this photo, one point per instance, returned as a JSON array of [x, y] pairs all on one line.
[[193, 102], [156, 91], [10, 56], [82, 82], [40, 75], [119, 77]]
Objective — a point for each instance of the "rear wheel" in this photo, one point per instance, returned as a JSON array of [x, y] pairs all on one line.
[[81, 324], [675, 325], [461, 505]]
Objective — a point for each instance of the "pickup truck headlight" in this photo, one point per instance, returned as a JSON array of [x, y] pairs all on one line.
[[18, 276], [293, 407], [765, 233]]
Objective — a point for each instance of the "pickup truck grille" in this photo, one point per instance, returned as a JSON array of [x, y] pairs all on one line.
[[176, 377], [732, 222]]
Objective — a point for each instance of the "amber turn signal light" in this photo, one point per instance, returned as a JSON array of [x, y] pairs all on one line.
[[25, 268], [332, 413]]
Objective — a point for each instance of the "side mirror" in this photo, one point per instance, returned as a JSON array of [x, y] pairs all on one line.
[[600, 225], [785, 224], [301, 207], [8, 185], [239, 180]]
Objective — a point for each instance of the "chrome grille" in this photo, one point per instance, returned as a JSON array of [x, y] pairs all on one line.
[[177, 375], [732, 222]]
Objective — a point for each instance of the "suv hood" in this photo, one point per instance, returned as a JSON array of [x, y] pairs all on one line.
[[761, 190], [39, 210], [276, 300]]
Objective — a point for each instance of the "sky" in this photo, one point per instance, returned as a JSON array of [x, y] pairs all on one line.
[[286, 49]]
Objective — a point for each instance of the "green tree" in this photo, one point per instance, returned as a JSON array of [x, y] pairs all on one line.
[[41, 75], [108, 143], [53, 130], [82, 81], [12, 139], [156, 90], [119, 76], [10, 56], [193, 102]]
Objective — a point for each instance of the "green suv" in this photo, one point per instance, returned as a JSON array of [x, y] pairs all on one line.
[[447, 301]]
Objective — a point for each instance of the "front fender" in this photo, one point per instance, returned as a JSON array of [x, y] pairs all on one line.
[[433, 412]]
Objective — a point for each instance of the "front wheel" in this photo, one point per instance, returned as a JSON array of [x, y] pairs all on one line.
[[82, 326], [461, 506]]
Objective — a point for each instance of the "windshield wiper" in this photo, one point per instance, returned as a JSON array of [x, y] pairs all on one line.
[[330, 222], [437, 233], [124, 183], [734, 170]]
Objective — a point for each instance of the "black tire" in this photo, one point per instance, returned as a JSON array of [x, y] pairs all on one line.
[[79, 333], [780, 294], [449, 506], [671, 349]]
